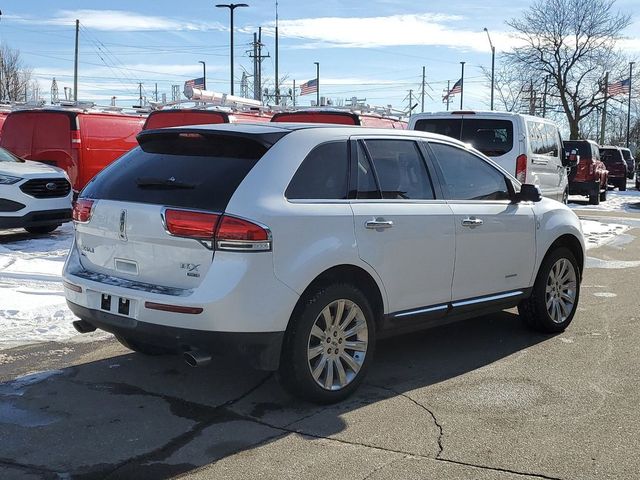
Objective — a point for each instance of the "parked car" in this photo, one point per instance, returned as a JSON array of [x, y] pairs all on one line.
[[340, 117], [616, 165], [298, 246], [80, 142], [33, 196], [525, 146], [590, 176], [631, 162], [192, 116]]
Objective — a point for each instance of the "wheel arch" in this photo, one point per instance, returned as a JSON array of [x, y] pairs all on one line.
[[571, 242]]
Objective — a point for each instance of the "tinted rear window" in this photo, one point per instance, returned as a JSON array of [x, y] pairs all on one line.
[[491, 137], [626, 154], [187, 170], [323, 174], [583, 148], [609, 155]]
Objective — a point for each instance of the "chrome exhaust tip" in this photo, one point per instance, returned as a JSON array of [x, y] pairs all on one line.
[[195, 358]]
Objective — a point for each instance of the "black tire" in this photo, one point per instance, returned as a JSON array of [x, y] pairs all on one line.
[[295, 373], [594, 198], [533, 310], [603, 195], [141, 347], [637, 185], [41, 229], [622, 186]]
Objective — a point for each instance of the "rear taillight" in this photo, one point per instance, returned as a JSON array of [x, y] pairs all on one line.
[[521, 168], [82, 210], [228, 233], [75, 139], [186, 223], [239, 234]]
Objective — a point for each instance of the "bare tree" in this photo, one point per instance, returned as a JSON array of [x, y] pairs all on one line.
[[15, 77], [573, 42], [510, 87]]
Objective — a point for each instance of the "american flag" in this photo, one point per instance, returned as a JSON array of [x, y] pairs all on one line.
[[309, 87], [457, 88], [618, 88], [195, 83]]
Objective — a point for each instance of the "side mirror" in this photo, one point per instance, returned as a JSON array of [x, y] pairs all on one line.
[[571, 159], [529, 193]]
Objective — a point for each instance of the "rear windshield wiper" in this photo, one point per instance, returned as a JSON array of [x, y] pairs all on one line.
[[167, 183]]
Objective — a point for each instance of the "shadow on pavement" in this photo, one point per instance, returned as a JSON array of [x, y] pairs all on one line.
[[132, 416]]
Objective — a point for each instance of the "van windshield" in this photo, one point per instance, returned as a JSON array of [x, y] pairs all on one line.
[[492, 137]]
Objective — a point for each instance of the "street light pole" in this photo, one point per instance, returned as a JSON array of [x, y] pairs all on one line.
[[493, 64], [317, 64], [629, 105], [231, 7], [204, 74]]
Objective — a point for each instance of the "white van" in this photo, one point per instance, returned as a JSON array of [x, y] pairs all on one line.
[[528, 147]]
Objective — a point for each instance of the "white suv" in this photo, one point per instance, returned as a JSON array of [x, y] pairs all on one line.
[[33, 196], [298, 245]]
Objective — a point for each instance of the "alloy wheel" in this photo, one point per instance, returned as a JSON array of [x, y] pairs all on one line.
[[561, 290]]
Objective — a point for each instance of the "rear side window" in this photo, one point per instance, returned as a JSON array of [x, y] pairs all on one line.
[[543, 138], [187, 170], [367, 187], [467, 176], [400, 168], [322, 175], [491, 137]]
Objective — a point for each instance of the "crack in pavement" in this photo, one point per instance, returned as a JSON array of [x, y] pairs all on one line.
[[439, 457], [388, 464]]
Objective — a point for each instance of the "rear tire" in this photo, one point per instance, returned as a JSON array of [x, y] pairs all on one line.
[[554, 300], [603, 195], [594, 198], [622, 186], [141, 347], [41, 229], [317, 363]]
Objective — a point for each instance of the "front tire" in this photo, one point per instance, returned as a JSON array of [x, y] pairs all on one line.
[[329, 344], [594, 198], [603, 195], [41, 229], [554, 300]]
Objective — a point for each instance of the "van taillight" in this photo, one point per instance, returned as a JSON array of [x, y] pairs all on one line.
[[82, 210], [75, 139], [228, 233], [185, 223], [521, 168]]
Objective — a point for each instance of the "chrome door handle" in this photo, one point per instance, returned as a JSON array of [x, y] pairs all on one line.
[[472, 222], [378, 223]]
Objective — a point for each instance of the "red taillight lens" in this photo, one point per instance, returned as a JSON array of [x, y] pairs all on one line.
[[232, 228], [75, 139], [82, 210], [521, 168], [184, 223]]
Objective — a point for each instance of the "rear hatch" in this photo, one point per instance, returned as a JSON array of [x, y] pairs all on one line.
[[491, 136], [40, 135], [584, 171], [181, 169], [614, 162]]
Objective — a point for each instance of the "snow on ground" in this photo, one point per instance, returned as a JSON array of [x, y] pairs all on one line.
[[32, 304], [628, 201]]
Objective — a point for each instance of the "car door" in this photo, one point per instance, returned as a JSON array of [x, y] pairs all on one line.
[[402, 230], [495, 238]]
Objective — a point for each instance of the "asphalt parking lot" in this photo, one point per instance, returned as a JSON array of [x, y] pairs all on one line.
[[481, 399]]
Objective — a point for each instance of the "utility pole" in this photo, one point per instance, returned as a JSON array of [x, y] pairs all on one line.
[[462, 84], [410, 101], [604, 108], [277, 91], [256, 85], [448, 96], [156, 92], [231, 7], [260, 64], [423, 82], [293, 93], [629, 105], [532, 99], [493, 64], [544, 96], [75, 64], [140, 89]]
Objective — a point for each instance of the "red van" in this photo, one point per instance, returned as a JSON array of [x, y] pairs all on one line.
[[190, 116], [80, 142], [341, 118], [3, 117]]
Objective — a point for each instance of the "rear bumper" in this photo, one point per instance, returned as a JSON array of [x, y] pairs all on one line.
[[584, 188], [37, 219], [261, 350]]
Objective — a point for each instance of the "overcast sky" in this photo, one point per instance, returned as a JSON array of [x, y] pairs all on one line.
[[371, 49]]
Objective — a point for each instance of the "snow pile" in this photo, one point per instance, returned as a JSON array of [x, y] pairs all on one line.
[[32, 304], [628, 201], [597, 233]]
